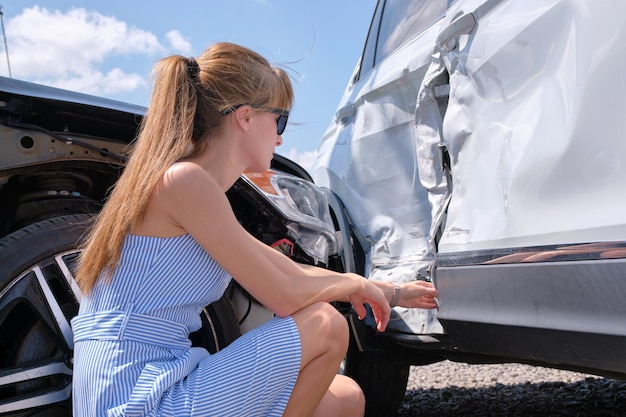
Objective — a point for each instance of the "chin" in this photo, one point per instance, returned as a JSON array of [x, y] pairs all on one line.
[[260, 167]]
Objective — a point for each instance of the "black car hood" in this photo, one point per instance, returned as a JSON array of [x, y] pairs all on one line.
[[59, 110]]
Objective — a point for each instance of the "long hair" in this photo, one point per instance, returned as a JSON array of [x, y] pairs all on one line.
[[184, 111]]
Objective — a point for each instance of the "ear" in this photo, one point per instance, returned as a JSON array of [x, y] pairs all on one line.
[[242, 117]]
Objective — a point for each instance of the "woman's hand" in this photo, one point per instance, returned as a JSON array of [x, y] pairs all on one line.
[[415, 294], [374, 296]]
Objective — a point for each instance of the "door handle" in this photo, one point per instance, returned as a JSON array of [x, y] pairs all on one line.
[[343, 114], [463, 25]]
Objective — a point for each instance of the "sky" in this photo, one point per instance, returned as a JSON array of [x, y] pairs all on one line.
[[108, 48]]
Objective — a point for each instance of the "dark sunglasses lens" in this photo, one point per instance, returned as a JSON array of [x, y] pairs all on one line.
[[281, 123]]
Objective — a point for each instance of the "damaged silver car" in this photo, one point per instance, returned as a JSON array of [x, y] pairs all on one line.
[[480, 144]]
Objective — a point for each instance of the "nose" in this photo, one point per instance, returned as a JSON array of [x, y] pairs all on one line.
[[279, 140]]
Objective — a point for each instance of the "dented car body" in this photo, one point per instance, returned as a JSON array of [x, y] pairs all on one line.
[[480, 144]]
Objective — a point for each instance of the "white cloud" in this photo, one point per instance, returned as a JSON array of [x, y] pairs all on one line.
[[178, 42], [79, 49], [97, 83], [304, 159]]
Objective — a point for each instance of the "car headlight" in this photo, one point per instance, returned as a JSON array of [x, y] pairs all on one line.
[[305, 210]]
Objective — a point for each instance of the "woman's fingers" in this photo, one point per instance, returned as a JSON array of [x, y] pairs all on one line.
[[375, 297], [360, 310], [418, 294]]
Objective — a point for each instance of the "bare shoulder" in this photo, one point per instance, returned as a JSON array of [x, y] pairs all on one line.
[[188, 177], [185, 171], [191, 196], [184, 191]]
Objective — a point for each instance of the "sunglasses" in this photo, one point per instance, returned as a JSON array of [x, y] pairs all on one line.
[[281, 122]]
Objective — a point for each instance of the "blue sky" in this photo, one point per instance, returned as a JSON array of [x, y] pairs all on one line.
[[108, 48]]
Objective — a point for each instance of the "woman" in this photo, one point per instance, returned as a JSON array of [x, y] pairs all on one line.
[[167, 243]]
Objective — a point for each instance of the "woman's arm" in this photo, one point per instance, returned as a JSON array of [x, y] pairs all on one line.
[[193, 200], [415, 294]]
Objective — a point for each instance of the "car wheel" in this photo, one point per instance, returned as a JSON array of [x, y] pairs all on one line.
[[381, 375], [38, 297]]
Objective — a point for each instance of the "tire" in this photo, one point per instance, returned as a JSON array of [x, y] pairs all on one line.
[[38, 297], [219, 326], [380, 374]]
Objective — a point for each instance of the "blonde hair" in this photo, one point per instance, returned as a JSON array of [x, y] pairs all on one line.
[[188, 98]]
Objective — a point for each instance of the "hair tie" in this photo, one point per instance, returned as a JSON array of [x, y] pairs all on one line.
[[193, 69]]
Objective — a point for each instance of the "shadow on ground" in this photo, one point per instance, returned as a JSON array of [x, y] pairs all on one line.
[[588, 397]]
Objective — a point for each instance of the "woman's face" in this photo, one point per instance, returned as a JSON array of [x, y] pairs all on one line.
[[264, 139]]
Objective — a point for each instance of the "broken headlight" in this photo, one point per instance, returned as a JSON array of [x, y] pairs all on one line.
[[304, 208]]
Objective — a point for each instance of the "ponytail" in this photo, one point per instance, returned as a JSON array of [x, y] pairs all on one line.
[[170, 116], [187, 98]]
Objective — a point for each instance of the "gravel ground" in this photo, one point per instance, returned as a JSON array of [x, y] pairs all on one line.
[[449, 389]]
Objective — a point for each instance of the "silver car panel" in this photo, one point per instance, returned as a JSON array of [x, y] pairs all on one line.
[[498, 128]]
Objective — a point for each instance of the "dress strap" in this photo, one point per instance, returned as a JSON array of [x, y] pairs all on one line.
[[125, 325]]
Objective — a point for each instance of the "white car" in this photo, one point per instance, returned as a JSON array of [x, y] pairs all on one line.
[[480, 144]]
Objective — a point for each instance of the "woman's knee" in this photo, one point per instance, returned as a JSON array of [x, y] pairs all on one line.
[[344, 398], [353, 399], [321, 323], [330, 321]]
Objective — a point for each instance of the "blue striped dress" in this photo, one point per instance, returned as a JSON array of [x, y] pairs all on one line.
[[132, 355]]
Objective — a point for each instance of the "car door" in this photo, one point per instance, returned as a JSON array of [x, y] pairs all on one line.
[[367, 156], [530, 254]]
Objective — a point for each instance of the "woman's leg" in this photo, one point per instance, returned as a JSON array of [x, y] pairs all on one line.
[[324, 339], [344, 398]]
